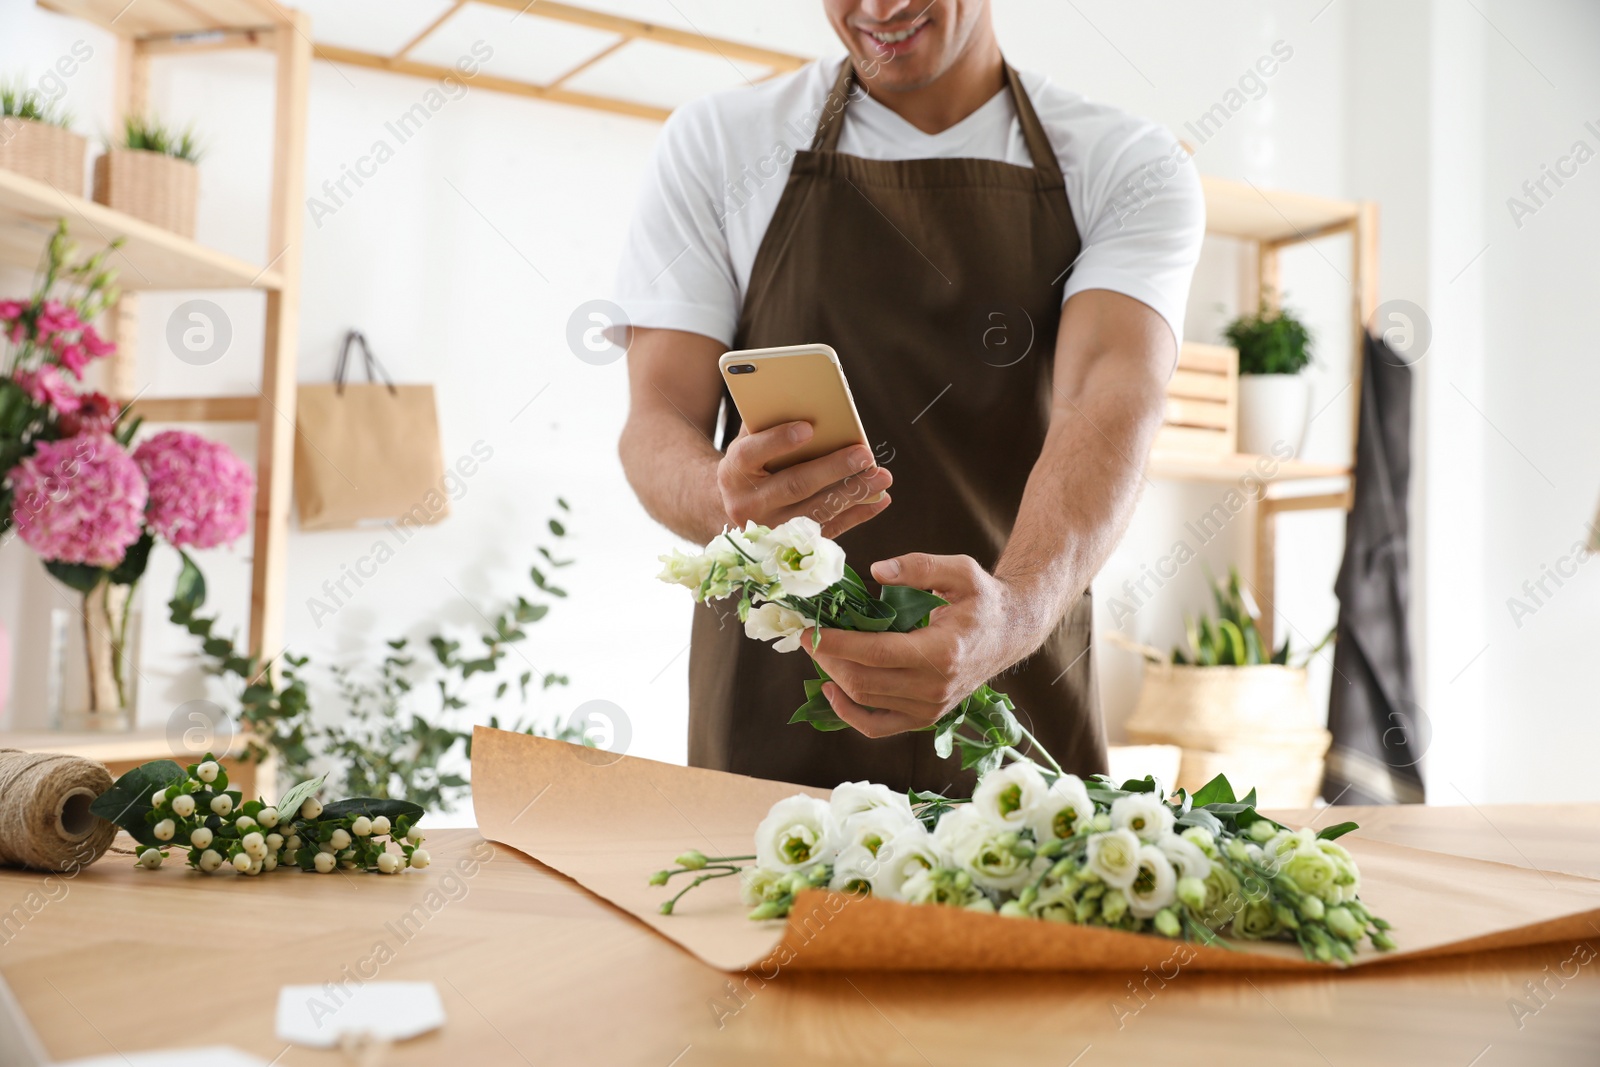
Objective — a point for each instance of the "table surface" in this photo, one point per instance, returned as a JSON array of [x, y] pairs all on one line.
[[533, 969]]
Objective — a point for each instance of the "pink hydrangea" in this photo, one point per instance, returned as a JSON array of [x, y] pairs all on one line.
[[79, 500], [200, 492], [47, 386]]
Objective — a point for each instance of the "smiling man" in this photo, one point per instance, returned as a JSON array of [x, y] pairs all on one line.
[[1002, 266]]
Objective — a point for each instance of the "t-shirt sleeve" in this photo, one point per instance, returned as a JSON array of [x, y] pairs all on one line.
[[1141, 218], [676, 272]]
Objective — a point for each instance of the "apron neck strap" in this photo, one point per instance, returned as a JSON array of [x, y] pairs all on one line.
[[830, 125]]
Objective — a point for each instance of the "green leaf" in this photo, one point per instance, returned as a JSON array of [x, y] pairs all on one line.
[[289, 805], [540, 581], [817, 711], [880, 618], [1332, 833], [911, 606], [853, 579], [189, 592], [1202, 818], [78, 576], [371, 807], [127, 802], [1232, 652], [1218, 790], [557, 528], [134, 561]]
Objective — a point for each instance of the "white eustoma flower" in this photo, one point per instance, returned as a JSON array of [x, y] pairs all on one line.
[[799, 558], [681, 568], [908, 852], [1187, 857], [854, 869], [1064, 810], [1009, 797], [1143, 813], [872, 829], [795, 835], [1155, 884], [983, 849], [855, 798], [1114, 857], [776, 623]]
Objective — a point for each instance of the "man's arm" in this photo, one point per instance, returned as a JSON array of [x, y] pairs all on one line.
[[693, 489], [1113, 357]]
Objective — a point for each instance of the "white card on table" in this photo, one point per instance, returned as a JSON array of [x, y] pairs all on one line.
[[320, 1016]]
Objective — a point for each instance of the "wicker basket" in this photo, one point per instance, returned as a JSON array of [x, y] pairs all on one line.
[[149, 186], [43, 152], [1254, 724]]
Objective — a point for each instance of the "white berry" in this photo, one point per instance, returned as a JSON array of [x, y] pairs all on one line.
[[420, 858], [245, 824], [207, 771], [325, 862], [380, 825], [183, 806], [267, 817], [414, 835], [158, 798], [201, 838], [275, 842], [164, 830], [150, 859], [210, 860], [254, 845], [241, 862], [294, 844], [340, 839], [311, 808], [388, 863], [221, 804], [269, 863], [362, 827]]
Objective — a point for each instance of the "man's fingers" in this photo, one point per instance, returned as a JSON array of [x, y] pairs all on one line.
[[840, 497], [751, 452], [854, 517], [804, 480], [942, 574], [884, 650], [872, 722]]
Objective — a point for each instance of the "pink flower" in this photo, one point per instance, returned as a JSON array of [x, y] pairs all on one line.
[[79, 500], [47, 386], [56, 317], [11, 310], [200, 492], [97, 345], [96, 413]]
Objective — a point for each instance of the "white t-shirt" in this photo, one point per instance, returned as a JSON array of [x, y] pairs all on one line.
[[722, 162]]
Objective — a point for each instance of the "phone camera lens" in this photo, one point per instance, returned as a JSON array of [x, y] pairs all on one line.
[[742, 368]]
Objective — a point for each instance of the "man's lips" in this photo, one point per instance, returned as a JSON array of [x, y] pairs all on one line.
[[893, 40]]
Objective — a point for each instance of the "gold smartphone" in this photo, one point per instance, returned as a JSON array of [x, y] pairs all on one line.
[[771, 386]]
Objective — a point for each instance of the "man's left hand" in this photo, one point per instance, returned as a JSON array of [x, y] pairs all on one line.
[[888, 683]]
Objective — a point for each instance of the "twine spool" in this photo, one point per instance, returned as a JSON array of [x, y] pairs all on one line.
[[45, 822]]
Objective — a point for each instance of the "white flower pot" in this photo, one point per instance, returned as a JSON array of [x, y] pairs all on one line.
[[1273, 408]]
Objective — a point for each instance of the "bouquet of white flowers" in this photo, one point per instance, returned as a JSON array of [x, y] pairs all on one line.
[[1033, 841]]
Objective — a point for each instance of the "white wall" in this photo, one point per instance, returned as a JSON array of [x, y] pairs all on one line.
[[471, 287]]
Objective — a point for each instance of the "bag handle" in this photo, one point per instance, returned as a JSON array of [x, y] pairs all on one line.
[[375, 369]]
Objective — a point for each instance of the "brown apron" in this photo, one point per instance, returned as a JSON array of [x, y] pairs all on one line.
[[939, 283]]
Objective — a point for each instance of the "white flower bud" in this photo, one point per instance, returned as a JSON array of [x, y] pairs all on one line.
[[164, 830], [150, 859], [183, 806], [362, 827], [207, 771], [267, 817], [275, 842], [221, 804], [311, 808], [201, 838], [245, 824], [420, 858], [340, 839], [388, 863], [241, 862], [158, 798], [254, 845], [380, 825], [325, 862], [210, 860]]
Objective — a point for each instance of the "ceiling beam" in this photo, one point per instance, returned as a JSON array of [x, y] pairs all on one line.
[[427, 30]]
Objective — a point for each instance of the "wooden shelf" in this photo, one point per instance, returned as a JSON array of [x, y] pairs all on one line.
[[169, 18], [1193, 467], [1243, 210], [197, 408], [150, 257]]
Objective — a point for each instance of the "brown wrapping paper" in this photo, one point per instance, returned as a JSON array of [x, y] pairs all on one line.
[[607, 821]]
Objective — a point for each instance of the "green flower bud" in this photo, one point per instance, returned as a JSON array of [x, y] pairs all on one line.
[[1085, 910], [660, 877], [1343, 924], [666, 907], [1261, 831], [1013, 909], [1286, 916], [1192, 891], [771, 909], [1113, 906], [1311, 908], [693, 860], [1101, 822], [1167, 922], [1382, 940]]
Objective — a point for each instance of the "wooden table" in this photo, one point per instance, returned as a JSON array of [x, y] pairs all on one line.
[[534, 970]]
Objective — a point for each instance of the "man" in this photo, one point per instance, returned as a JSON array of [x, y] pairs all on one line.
[[1002, 267]]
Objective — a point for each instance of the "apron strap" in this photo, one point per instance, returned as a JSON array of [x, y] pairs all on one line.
[[1045, 165]]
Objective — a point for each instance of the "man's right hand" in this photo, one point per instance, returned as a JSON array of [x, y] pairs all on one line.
[[840, 490]]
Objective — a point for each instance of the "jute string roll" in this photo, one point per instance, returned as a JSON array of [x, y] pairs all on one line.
[[45, 822]]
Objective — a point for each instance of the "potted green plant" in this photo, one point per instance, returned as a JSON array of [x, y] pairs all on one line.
[[36, 141], [1274, 399], [1232, 703], [151, 173]]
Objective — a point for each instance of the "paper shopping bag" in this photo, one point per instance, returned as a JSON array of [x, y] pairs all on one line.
[[367, 452]]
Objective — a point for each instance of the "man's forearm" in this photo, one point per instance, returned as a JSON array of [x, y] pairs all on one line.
[[673, 469], [1080, 495]]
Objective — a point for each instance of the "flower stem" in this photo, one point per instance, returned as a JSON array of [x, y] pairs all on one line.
[[669, 905], [1035, 746]]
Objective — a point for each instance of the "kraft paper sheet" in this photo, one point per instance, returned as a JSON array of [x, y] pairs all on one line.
[[608, 821]]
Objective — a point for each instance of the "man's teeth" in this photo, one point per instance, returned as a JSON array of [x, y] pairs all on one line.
[[894, 38]]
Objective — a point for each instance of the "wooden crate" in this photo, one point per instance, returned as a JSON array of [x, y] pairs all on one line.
[[1202, 414]]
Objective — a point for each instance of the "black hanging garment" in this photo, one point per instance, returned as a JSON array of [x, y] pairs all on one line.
[[1379, 732]]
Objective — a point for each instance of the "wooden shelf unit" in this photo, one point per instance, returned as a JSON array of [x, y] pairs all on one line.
[[152, 258]]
